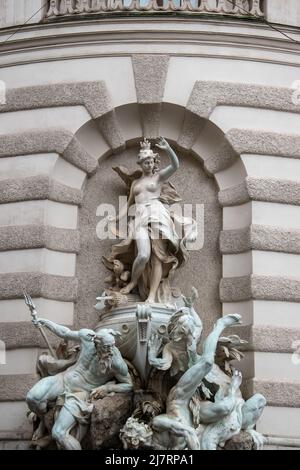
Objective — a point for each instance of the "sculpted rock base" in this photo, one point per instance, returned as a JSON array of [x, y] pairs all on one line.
[[242, 441], [108, 416]]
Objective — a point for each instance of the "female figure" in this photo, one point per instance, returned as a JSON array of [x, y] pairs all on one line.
[[153, 248]]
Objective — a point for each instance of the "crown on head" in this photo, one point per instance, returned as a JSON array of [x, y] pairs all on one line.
[[145, 144], [145, 151]]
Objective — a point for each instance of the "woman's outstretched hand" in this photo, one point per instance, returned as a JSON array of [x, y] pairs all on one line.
[[162, 143]]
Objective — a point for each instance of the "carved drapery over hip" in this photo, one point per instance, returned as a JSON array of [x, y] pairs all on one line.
[[244, 8]]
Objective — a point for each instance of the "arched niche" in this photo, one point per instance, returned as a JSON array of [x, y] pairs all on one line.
[[202, 173]]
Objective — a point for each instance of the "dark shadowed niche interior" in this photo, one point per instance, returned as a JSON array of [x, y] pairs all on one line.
[[203, 268]]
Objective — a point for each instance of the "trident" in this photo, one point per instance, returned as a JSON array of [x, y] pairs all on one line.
[[31, 306]]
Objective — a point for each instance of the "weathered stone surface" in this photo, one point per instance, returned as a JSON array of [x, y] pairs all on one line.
[[261, 189], [58, 141], [150, 116], [260, 237], [286, 240], [14, 387], [264, 143], [23, 334], [191, 128], [150, 74], [32, 142], [206, 95], [276, 288], [275, 339], [235, 241], [111, 131], [93, 95], [277, 393], [234, 196], [242, 441], [109, 415], [38, 188], [272, 190], [235, 289], [267, 338], [18, 237], [39, 285], [223, 158]]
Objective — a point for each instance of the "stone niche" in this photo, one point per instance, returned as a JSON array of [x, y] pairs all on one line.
[[204, 268]]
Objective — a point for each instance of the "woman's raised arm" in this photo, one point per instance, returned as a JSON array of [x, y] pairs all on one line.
[[165, 173]]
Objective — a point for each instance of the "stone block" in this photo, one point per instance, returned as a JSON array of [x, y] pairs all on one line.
[[109, 415]]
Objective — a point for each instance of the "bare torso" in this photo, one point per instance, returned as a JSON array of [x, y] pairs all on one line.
[[178, 408], [86, 374], [146, 189]]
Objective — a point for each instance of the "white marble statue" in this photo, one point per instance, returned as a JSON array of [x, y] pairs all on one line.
[[98, 371], [153, 249]]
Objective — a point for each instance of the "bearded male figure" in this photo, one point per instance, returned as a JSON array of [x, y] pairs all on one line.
[[98, 371]]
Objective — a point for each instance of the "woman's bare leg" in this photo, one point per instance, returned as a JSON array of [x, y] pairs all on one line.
[[156, 276], [143, 245]]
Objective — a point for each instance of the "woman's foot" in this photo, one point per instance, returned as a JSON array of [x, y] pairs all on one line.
[[128, 288]]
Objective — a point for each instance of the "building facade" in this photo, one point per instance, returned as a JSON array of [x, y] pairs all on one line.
[[81, 83]]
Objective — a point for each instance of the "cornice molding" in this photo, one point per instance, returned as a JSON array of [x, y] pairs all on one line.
[[202, 37]]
